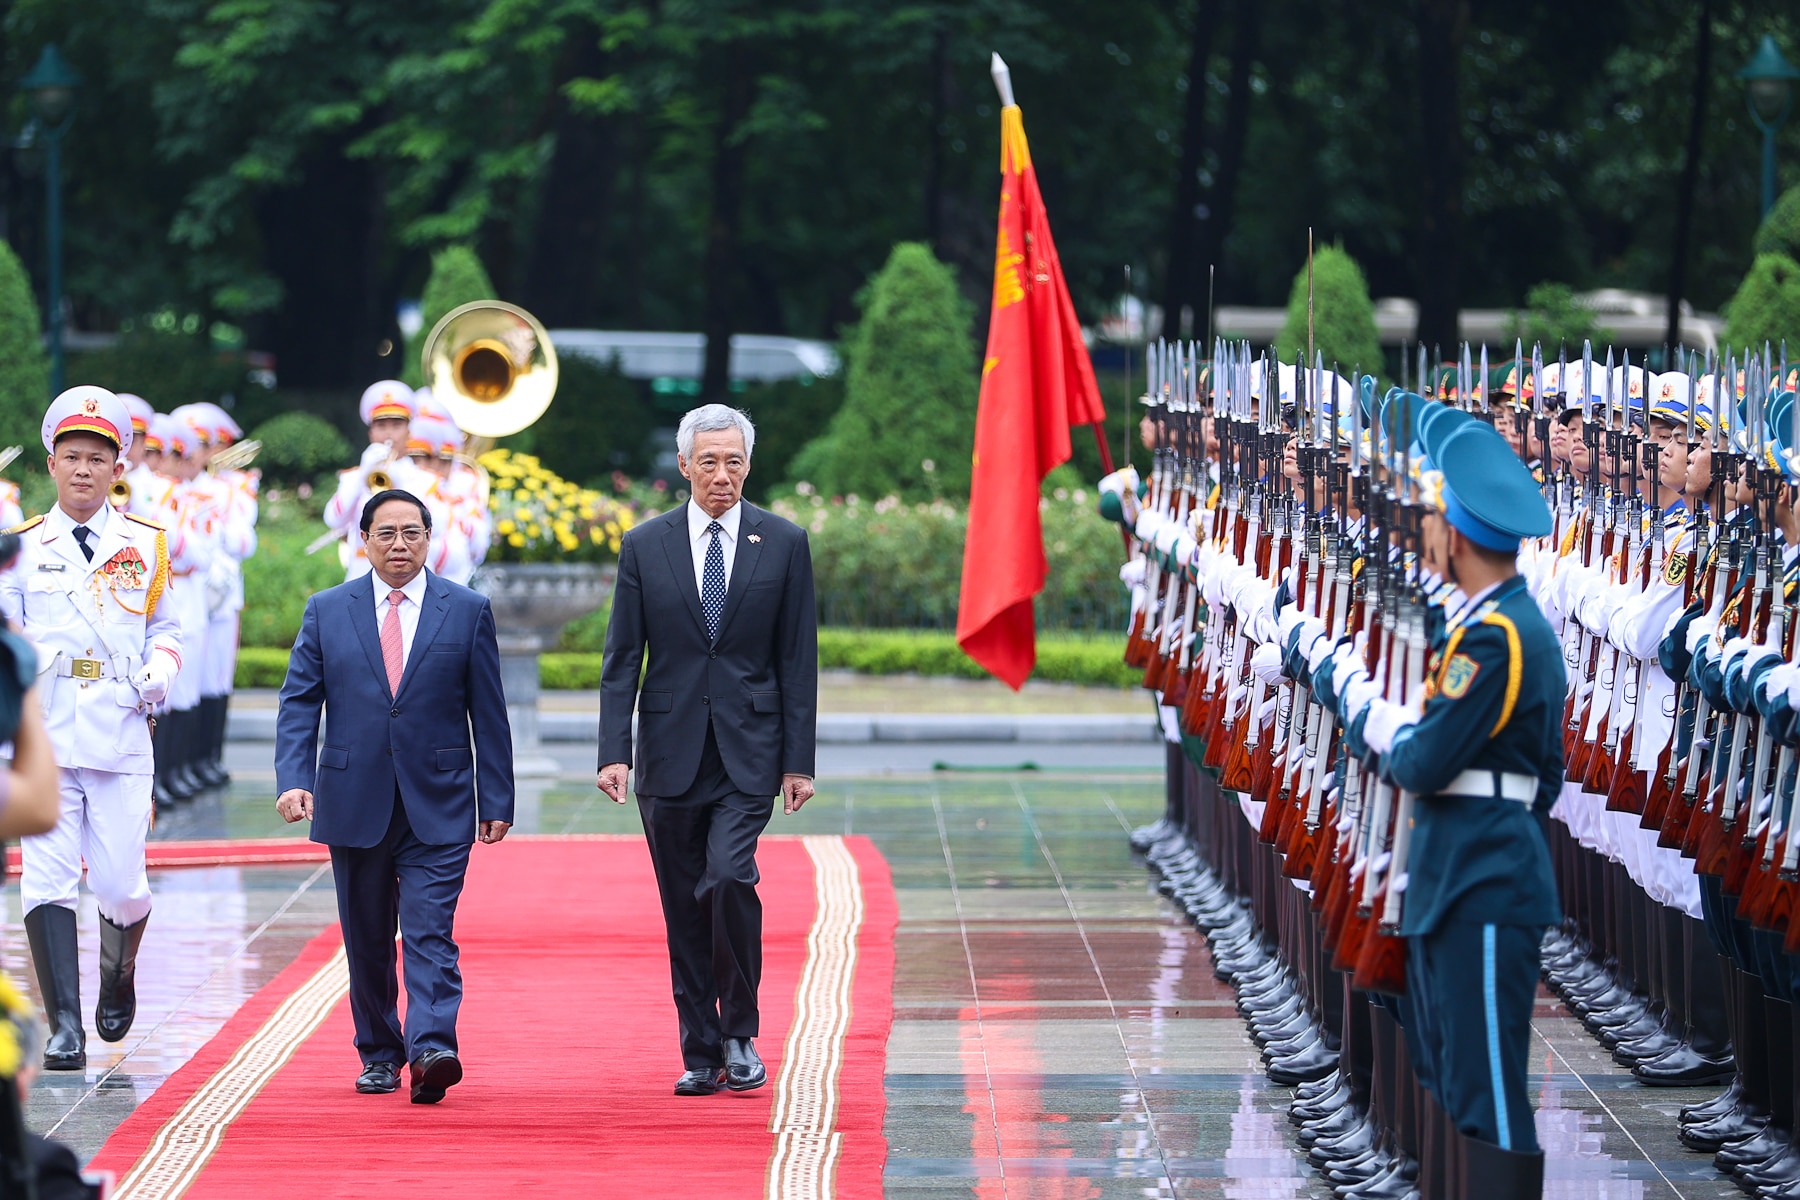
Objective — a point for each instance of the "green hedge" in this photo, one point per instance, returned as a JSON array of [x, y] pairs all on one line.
[[1095, 661]]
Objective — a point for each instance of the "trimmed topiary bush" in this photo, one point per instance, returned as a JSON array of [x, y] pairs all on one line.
[[1343, 315], [1766, 307], [1779, 232], [907, 424], [24, 370], [298, 447], [457, 278]]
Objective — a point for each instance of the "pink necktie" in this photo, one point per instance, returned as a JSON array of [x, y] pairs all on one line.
[[392, 654]]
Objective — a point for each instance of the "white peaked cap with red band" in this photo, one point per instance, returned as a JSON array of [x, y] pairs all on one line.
[[88, 409], [388, 400], [140, 410]]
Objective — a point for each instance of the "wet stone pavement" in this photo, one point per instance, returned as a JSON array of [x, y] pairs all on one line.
[[1058, 1029]]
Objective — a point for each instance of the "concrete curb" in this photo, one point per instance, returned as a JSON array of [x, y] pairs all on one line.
[[258, 725]]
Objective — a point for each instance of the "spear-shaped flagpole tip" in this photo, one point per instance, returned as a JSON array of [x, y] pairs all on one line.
[[1002, 81]]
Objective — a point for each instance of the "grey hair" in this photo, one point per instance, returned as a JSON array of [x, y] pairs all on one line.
[[710, 418]]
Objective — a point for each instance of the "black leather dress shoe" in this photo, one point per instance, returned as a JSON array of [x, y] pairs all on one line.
[[433, 1073], [378, 1078], [743, 1067], [703, 1081]]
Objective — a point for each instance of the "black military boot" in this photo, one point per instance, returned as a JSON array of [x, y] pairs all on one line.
[[182, 784], [221, 721], [1496, 1174], [1705, 1058], [50, 929], [162, 748], [117, 1005]]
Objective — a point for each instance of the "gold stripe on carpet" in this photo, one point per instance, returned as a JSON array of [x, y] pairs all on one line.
[[189, 1139], [804, 1162]]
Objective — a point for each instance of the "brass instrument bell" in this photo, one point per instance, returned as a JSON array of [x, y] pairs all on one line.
[[493, 366]]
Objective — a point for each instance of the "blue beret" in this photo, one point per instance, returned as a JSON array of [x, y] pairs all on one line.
[[1489, 495]]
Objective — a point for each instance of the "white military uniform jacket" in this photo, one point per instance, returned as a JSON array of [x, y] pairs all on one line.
[[94, 624]]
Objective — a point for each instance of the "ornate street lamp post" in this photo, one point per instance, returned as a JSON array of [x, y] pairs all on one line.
[[51, 86], [1769, 81]]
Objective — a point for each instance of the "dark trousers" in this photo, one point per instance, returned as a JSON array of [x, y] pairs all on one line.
[[1469, 992], [411, 886], [703, 846]]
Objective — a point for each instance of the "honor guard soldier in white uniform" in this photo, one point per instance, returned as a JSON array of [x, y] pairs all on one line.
[[387, 409], [139, 478], [90, 589]]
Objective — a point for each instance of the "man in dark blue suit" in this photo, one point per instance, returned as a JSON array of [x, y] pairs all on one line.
[[416, 763]]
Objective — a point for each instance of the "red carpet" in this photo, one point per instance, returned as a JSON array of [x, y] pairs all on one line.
[[569, 1041]]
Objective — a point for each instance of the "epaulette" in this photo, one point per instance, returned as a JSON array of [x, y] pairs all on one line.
[[31, 524], [131, 516]]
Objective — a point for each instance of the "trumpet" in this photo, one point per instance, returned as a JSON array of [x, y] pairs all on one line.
[[379, 480], [120, 493]]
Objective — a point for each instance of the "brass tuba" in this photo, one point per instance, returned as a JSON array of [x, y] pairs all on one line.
[[493, 366]]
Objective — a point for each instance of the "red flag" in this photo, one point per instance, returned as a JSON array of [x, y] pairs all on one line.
[[1036, 381]]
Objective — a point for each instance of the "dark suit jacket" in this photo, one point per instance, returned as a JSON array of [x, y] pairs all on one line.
[[443, 741], [759, 683]]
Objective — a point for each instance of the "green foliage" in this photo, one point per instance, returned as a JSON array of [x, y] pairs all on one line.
[[907, 424], [457, 278], [169, 359], [1779, 232], [281, 575], [788, 414], [24, 372], [1554, 320], [1062, 658], [1343, 322], [889, 564], [298, 447], [261, 666], [599, 423], [1767, 305]]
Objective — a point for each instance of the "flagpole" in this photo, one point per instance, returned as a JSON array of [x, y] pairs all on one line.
[[1003, 84]]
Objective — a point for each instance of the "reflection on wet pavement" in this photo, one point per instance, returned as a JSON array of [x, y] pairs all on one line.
[[1058, 1030]]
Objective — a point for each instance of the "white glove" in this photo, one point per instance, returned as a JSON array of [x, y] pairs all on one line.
[[1385, 723], [1266, 662], [1356, 695], [153, 679], [1287, 621], [1786, 678], [1148, 522], [376, 454], [1132, 573], [1698, 632], [1319, 649], [1344, 652]]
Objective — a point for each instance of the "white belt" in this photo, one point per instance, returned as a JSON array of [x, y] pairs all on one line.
[[1504, 785], [69, 667]]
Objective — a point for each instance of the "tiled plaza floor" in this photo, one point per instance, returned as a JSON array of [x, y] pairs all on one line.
[[1058, 1030]]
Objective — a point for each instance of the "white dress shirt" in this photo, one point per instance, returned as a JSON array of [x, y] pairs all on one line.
[[699, 540], [64, 524], [413, 597]]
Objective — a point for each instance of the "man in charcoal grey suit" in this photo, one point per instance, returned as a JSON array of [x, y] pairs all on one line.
[[720, 593]]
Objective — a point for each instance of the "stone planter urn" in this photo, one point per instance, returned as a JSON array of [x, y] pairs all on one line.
[[532, 602]]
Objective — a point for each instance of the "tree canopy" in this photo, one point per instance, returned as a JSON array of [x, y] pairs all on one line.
[[727, 166]]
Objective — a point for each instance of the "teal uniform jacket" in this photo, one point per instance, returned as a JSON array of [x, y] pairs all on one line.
[[1496, 701]]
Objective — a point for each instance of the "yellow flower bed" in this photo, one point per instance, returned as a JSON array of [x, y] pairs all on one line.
[[541, 517]]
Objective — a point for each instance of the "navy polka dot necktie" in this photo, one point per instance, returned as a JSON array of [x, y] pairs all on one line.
[[712, 582]]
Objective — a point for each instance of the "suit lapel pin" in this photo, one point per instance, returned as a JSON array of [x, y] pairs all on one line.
[[756, 537]]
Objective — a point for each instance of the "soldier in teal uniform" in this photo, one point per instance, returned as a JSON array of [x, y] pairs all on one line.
[[1483, 761]]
